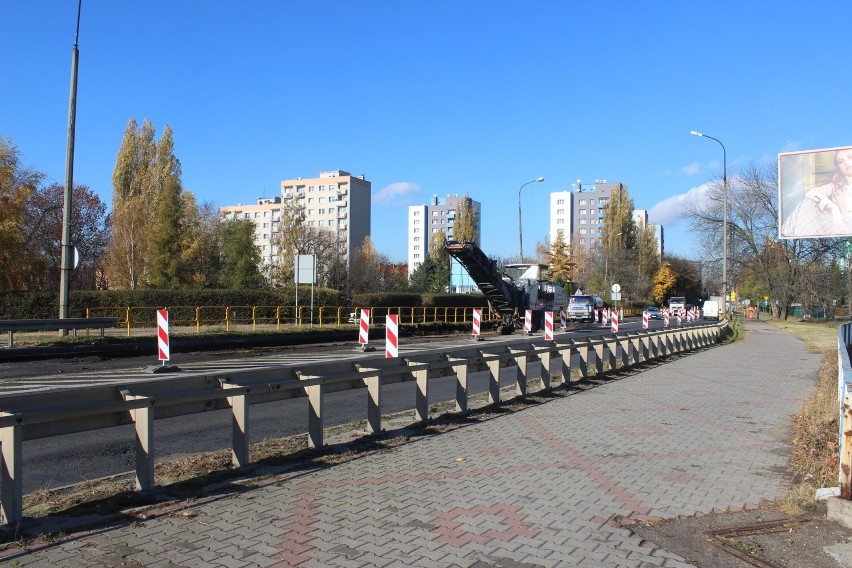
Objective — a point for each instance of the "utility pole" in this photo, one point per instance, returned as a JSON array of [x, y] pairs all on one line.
[[67, 250]]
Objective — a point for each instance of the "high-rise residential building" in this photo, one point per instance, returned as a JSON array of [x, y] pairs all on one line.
[[579, 214], [426, 220], [561, 204], [335, 201]]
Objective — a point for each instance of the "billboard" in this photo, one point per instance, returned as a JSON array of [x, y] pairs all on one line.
[[815, 193]]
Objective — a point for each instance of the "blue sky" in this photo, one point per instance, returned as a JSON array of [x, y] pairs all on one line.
[[432, 97]]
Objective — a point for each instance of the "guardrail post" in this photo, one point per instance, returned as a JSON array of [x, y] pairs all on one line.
[[583, 353], [460, 367], [626, 346], [612, 351], [544, 358], [493, 362], [520, 355], [315, 417], [11, 473], [239, 425], [143, 419], [598, 345], [566, 352], [421, 402], [374, 397]]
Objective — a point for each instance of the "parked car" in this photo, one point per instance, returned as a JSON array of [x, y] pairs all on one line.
[[654, 312]]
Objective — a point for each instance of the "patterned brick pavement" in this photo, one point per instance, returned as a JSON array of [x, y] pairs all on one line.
[[538, 487]]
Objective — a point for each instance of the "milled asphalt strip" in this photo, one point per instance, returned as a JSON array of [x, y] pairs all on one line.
[[542, 486]]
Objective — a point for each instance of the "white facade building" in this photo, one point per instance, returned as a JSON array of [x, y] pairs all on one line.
[[561, 214], [335, 201], [426, 220]]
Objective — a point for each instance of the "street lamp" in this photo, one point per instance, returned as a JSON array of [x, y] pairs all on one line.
[[520, 233], [724, 217]]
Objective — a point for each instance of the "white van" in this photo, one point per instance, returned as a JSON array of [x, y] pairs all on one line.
[[711, 310], [677, 303]]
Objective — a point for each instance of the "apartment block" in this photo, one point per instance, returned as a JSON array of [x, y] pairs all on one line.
[[335, 201], [579, 214], [426, 220]]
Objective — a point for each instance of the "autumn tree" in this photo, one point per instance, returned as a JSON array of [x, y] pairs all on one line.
[[20, 268], [44, 223], [143, 169], [240, 258], [665, 281], [466, 226], [560, 260]]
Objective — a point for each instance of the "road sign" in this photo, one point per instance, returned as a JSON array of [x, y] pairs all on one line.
[[616, 288]]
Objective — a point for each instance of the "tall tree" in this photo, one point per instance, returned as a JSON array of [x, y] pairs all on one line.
[[20, 268], [142, 169], [166, 267], [240, 257], [296, 238], [465, 226], [201, 248], [560, 261], [753, 235]]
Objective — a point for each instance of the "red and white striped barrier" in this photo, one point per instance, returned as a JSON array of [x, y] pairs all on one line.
[[665, 317], [614, 325], [563, 319], [163, 335], [477, 322], [364, 334], [644, 319], [528, 321], [548, 326], [679, 317], [392, 336]]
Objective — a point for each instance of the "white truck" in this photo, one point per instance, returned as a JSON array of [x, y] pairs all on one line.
[[677, 303], [583, 307]]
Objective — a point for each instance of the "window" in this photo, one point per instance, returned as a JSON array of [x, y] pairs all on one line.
[[434, 230], [560, 202], [417, 213], [416, 222], [434, 221], [416, 239], [321, 200], [332, 198], [322, 222], [416, 247], [560, 211], [266, 225], [332, 187], [560, 221], [311, 223], [322, 188], [321, 211], [582, 211], [434, 213], [331, 222], [246, 216], [418, 256], [582, 202], [582, 231], [310, 211], [582, 221], [266, 213], [310, 200], [311, 189], [583, 241], [256, 215]]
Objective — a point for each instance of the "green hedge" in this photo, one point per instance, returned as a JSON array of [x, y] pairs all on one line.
[[37, 305]]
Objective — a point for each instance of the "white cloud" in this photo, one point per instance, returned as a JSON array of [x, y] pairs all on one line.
[[670, 211], [389, 193], [691, 169]]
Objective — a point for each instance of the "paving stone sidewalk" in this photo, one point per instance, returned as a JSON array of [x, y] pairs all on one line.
[[544, 486]]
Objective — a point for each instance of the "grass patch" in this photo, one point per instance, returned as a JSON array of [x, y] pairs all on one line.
[[819, 336]]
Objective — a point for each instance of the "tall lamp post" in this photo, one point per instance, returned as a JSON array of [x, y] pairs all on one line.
[[66, 260], [724, 218], [520, 232]]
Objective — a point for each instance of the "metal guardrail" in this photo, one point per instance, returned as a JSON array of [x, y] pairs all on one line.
[[29, 416], [73, 324]]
